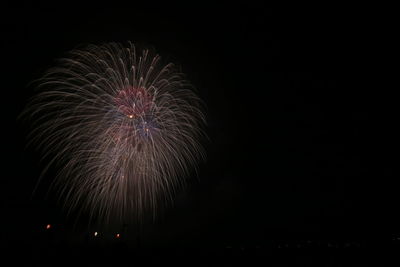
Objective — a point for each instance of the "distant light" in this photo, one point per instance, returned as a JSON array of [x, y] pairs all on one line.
[[117, 236], [95, 233], [48, 226], [130, 116]]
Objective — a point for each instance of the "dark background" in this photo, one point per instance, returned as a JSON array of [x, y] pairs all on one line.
[[301, 120]]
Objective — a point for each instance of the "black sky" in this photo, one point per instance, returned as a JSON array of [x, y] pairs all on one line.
[[301, 119]]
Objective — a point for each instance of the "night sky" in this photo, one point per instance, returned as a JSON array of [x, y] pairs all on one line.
[[301, 123]]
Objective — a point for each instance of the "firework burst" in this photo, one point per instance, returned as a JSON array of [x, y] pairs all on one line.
[[122, 129]]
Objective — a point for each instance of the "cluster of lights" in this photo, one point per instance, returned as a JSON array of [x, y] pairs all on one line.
[[307, 244], [95, 234], [117, 235]]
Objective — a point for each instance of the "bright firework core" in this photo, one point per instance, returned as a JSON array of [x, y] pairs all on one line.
[[133, 102]]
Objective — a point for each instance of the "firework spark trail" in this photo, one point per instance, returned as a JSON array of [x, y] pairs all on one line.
[[122, 129]]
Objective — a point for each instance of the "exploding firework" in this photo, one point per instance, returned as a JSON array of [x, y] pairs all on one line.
[[122, 129]]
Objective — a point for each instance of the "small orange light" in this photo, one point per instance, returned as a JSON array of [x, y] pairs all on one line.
[[48, 226], [117, 235]]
